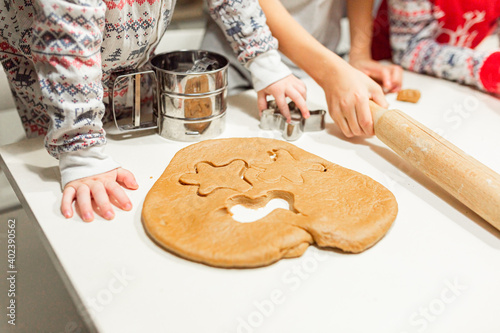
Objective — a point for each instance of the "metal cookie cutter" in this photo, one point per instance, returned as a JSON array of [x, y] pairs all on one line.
[[272, 119]]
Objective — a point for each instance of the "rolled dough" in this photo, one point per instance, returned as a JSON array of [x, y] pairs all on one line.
[[187, 211]]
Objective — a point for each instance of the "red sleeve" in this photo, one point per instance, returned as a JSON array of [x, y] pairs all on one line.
[[381, 46], [490, 73]]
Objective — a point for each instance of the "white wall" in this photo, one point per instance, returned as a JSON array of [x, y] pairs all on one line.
[[11, 131]]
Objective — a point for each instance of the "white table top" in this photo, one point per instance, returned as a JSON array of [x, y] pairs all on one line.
[[437, 270]]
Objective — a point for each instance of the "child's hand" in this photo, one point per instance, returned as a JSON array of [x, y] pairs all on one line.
[[347, 94], [99, 188], [289, 86], [389, 76]]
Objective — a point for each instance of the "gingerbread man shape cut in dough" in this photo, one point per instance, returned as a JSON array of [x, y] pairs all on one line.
[[285, 166], [332, 207]]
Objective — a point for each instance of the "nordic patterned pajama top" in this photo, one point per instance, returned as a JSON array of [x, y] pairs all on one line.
[[439, 37], [59, 55]]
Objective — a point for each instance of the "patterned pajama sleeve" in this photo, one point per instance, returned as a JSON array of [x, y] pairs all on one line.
[[413, 29], [66, 50], [244, 25]]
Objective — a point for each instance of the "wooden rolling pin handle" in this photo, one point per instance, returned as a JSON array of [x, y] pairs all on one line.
[[473, 183]]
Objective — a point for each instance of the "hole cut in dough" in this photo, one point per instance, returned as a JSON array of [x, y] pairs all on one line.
[[244, 209], [243, 214], [210, 177]]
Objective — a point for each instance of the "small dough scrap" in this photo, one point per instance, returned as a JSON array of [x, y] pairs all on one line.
[[408, 95], [187, 211]]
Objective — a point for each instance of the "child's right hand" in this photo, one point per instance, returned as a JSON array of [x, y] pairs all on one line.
[[289, 86], [98, 189], [347, 93]]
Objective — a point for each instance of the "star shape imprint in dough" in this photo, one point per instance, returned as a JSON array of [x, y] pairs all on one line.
[[286, 166], [209, 177]]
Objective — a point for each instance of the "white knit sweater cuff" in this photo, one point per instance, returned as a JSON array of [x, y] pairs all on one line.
[[266, 69], [84, 163]]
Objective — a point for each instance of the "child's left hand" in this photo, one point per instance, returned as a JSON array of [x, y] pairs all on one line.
[[390, 77], [289, 86], [97, 192]]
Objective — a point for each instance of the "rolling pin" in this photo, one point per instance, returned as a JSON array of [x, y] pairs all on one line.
[[465, 178]]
